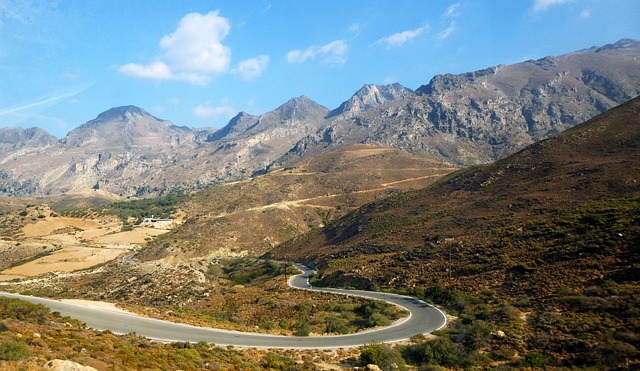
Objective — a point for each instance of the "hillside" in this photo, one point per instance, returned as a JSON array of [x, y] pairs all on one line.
[[550, 232], [254, 215]]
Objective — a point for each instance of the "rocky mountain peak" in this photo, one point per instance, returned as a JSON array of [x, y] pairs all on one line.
[[371, 96], [125, 126], [446, 82], [14, 138], [238, 124], [620, 44], [299, 108], [123, 113]]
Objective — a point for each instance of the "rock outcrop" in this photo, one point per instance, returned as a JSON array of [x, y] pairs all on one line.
[[482, 116]]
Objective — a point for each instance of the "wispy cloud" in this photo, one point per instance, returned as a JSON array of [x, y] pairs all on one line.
[[401, 38], [334, 52], [43, 102], [192, 53], [354, 28], [207, 112], [447, 31], [251, 68], [542, 5], [25, 12], [453, 10], [585, 13]]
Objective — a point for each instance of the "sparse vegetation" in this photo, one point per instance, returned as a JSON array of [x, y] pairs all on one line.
[[35, 334], [383, 356], [134, 210], [535, 254]]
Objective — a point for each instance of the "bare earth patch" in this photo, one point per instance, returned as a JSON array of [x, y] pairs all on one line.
[[67, 259], [68, 244], [96, 304], [46, 227], [137, 236]]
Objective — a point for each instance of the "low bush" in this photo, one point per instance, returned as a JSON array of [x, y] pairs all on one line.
[[383, 356], [13, 351]]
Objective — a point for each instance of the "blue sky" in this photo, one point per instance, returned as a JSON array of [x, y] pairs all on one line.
[[198, 63]]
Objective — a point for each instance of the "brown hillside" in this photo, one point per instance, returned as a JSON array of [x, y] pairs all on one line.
[[595, 161], [553, 229], [252, 216]]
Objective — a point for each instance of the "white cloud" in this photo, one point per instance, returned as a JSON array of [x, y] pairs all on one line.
[[354, 28], [332, 53], [192, 53], [197, 43], [447, 31], [542, 5], [585, 13], [193, 78], [205, 111], [251, 68], [452, 10], [401, 38], [153, 71]]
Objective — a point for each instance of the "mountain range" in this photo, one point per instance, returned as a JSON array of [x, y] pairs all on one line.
[[460, 120]]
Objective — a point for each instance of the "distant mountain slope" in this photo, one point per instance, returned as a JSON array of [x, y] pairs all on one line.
[[128, 126], [461, 120], [13, 139], [481, 116], [128, 152]]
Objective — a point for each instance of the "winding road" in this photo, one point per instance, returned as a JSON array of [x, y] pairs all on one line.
[[423, 318]]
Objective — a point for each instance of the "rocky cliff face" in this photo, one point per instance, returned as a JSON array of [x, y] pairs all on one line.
[[481, 116], [371, 96]]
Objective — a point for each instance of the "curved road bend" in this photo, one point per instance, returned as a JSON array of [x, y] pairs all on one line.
[[424, 318]]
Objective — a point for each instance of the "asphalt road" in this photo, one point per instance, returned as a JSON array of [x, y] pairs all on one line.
[[424, 318]]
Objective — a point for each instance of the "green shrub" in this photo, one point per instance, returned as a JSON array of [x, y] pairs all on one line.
[[335, 325], [274, 361], [302, 329], [383, 356], [284, 324], [13, 351], [535, 360], [439, 351]]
